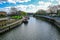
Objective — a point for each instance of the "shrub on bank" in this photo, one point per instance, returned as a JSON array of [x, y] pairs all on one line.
[[1, 16], [16, 17]]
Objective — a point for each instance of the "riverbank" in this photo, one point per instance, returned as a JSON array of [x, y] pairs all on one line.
[[55, 20], [11, 25]]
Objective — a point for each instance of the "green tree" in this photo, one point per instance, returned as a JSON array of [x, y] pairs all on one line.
[[41, 12], [23, 13]]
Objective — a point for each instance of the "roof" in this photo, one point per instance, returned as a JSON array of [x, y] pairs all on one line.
[[2, 11]]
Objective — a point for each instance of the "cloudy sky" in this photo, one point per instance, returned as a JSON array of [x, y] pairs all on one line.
[[27, 5]]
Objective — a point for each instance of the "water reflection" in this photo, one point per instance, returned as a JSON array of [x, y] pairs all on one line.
[[26, 23], [39, 18]]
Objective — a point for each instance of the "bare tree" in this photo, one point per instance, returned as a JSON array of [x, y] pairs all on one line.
[[13, 9]]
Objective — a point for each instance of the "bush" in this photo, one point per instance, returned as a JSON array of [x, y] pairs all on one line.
[[2, 16], [16, 17]]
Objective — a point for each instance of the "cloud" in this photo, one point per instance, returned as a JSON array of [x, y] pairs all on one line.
[[58, 1], [6, 9], [44, 3], [27, 8], [21, 1], [30, 8], [14, 1], [34, 8], [21, 7]]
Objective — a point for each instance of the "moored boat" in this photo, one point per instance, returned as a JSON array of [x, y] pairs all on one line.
[[25, 20]]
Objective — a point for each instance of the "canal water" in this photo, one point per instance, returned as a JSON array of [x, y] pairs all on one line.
[[36, 29]]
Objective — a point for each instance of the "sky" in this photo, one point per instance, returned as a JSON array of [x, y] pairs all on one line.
[[27, 5]]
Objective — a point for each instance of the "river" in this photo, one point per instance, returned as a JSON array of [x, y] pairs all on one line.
[[36, 29]]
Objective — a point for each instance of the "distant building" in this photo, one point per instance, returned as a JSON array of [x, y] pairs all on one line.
[[3, 13]]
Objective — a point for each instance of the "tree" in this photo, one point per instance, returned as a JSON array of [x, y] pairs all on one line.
[[41, 12], [13, 9], [22, 13]]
